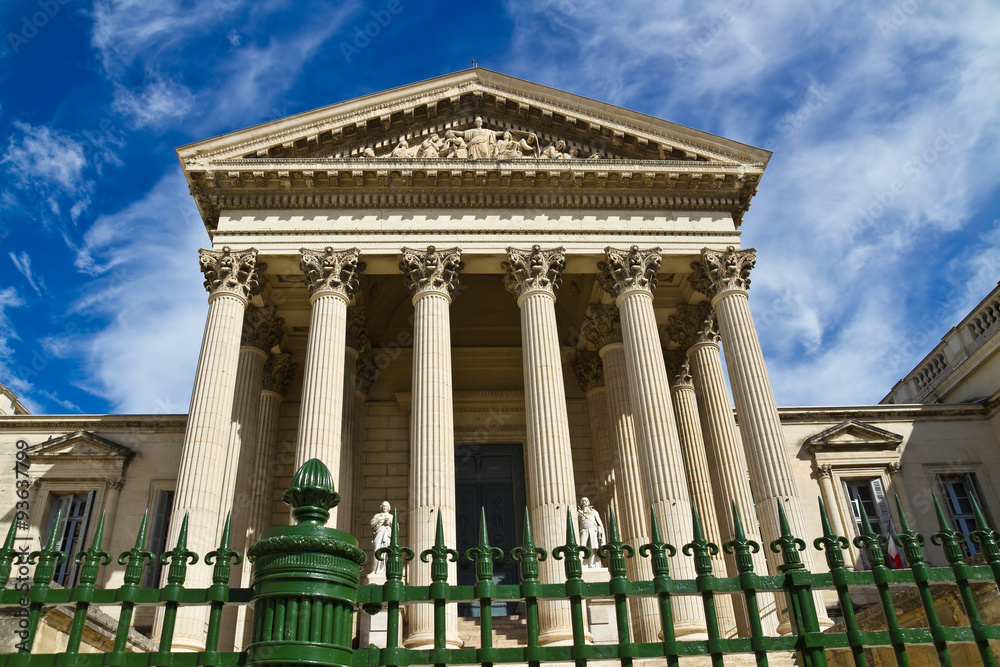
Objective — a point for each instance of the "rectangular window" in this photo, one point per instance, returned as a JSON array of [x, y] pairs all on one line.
[[959, 490], [870, 494], [73, 510], [158, 536]]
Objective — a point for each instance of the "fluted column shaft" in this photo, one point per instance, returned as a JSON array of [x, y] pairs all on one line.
[[231, 278], [728, 465], [724, 277], [603, 454], [630, 277], [236, 489], [432, 428], [699, 481], [347, 472], [633, 519], [333, 281]]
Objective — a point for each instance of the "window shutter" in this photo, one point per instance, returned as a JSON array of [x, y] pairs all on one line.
[[884, 515]]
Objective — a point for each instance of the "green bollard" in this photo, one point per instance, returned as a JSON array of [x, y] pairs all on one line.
[[305, 580]]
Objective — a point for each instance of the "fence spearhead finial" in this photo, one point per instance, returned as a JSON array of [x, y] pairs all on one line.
[[135, 558], [985, 536], [870, 541], [740, 546], [92, 559], [7, 554], [948, 539], [787, 544], [831, 543], [910, 540], [179, 556]]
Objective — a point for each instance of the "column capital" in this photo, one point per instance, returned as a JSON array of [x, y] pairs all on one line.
[[631, 269], [278, 371], [824, 471], [678, 368], [115, 483], [368, 371], [328, 270], [232, 272], [431, 270], [589, 370], [693, 324], [602, 325], [534, 270], [357, 328], [261, 329], [721, 271], [894, 468]]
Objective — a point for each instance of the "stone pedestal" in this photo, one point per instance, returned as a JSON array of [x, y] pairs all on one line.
[[373, 629], [600, 612]]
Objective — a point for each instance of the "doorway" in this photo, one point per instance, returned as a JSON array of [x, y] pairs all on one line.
[[490, 478]]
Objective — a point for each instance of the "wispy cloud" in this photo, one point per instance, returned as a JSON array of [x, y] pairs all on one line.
[[23, 264], [883, 124], [159, 102]]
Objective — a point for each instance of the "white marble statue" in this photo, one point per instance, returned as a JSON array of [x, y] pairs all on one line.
[[381, 525], [481, 142], [591, 530], [454, 146], [431, 147], [555, 151]]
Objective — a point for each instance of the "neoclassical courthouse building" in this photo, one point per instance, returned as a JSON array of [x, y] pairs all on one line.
[[479, 292]]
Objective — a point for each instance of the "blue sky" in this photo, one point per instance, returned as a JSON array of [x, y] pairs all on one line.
[[876, 223]]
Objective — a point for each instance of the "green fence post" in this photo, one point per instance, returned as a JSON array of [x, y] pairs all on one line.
[[392, 591], [8, 555], [834, 546], [45, 562], [872, 545], [986, 538], [573, 568], [702, 551], [912, 544], [743, 550], [951, 542], [798, 585], [305, 580], [528, 555], [90, 562], [178, 559], [616, 552], [218, 594], [438, 556], [660, 553], [134, 561], [483, 555]]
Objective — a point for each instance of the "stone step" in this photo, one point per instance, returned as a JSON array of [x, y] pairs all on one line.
[[508, 631]]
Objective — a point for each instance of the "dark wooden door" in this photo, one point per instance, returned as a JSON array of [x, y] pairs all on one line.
[[489, 478]]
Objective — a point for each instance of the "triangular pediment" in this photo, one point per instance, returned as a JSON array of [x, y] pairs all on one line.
[[81, 444], [375, 124], [853, 434]]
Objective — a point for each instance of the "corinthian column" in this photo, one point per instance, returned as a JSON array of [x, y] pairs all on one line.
[[261, 332], [630, 276], [603, 329], [333, 279], [724, 277], [357, 339], [589, 373], [533, 276], [699, 479], [231, 278], [432, 277], [277, 374], [694, 328]]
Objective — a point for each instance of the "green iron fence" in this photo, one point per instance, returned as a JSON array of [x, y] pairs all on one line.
[[306, 588]]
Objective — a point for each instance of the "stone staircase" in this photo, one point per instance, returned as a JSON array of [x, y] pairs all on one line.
[[508, 631]]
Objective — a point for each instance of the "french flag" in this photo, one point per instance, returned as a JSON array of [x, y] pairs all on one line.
[[895, 558]]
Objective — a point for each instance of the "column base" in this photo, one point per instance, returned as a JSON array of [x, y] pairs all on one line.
[[425, 640]]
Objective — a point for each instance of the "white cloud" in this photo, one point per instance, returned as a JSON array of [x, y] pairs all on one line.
[[12, 373], [42, 153], [147, 285], [23, 264], [866, 109], [158, 102]]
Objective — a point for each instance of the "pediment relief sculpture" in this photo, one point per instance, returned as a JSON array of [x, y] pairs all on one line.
[[478, 143], [852, 434]]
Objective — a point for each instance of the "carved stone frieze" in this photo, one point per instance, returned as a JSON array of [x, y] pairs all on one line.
[[720, 271], [589, 369], [368, 370], [693, 324], [331, 271], [432, 270], [534, 269], [678, 368], [357, 328], [233, 271], [602, 325], [628, 270], [278, 372], [261, 329]]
